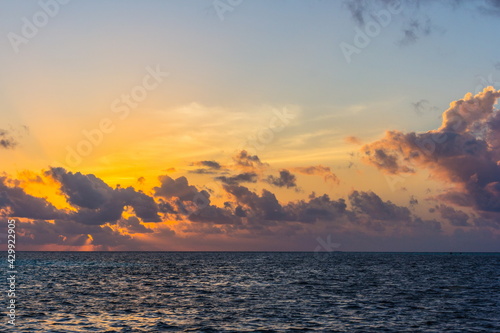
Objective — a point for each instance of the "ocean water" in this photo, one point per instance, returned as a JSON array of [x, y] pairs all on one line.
[[255, 292]]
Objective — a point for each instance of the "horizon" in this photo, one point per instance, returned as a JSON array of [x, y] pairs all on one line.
[[235, 251]]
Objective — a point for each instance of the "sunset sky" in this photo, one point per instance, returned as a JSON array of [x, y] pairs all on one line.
[[251, 125]]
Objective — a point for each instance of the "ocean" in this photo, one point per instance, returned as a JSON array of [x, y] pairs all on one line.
[[255, 292]]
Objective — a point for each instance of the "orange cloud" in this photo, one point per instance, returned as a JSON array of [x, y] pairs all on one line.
[[353, 140], [318, 170]]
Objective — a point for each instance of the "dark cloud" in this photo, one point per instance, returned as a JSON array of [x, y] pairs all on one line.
[[367, 208], [243, 159], [7, 141], [21, 204], [39, 232], [486, 222], [413, 21], [86, 191], [422, 106], [208, 164], [209, 168], [143, 205], [166, 207], [214, 215], [179, 188], [465, 150], [203, 171], [239, 211], [416, 28], [455, 217], [133, 225], [370, 204], [419, 225], [320, 208], [490, 7], [456, 198], [413, 201], [98, 203], [109, 212], [247, 218], [264, 207], [247, 177], [285, 179], [385, 154], [357, 9], [72, 234], [369, 212]]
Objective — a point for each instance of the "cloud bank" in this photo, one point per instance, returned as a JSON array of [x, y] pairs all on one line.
[[244, 213], [463, 151]]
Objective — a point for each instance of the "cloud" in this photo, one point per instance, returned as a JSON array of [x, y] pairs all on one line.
[[353, 140], [465, 151], [209, 167], [455, 217], [178, 188], [97, 203], [467, 114], [318, 170], [422, 106], [371, 205], [263, 207], [209, 164], [21, 204], [385, 217], [6, 140], [417, 27], [413, 201], [214, 215], [202, 171], [27, 176], [143, 205], [285, 179], [133, 225], [490, 7], [413, 22], [320, 208], [367, 209], [244, 160], [247, 220], [247, 177], [86, 191], [70, 235]]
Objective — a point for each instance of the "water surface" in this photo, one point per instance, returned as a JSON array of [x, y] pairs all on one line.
[[256, 292]]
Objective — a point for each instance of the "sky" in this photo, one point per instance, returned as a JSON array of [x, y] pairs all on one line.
[[236, 125]]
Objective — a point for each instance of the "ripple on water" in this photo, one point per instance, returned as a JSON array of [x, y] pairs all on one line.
[[257, 292]]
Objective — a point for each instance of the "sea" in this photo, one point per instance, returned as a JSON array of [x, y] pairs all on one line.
[[254, 292]]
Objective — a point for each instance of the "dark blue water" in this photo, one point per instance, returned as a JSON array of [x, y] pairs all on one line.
[[256, 292]]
